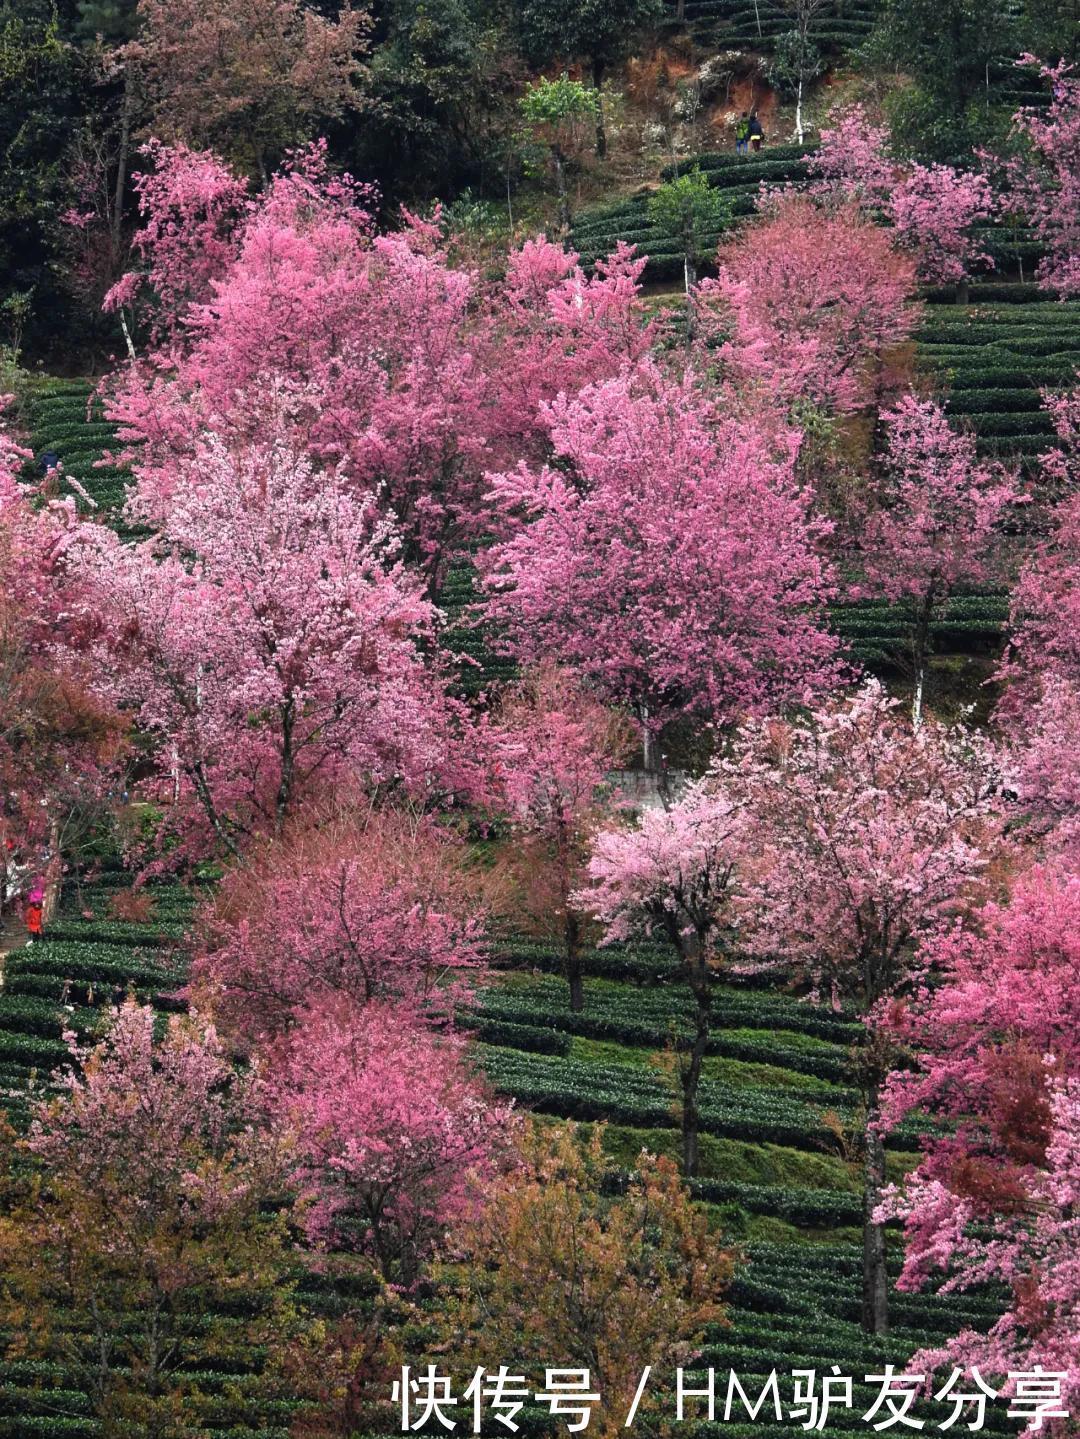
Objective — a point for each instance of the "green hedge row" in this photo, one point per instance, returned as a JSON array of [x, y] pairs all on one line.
[[807, 1207], [107, 964], [113, 931], [762, 1048], [626, 1095], [663, 1003]]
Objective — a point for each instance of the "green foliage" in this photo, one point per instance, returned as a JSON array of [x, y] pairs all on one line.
[[1051, 29], [599, 31], [737, 180], [795, 61], [440, 91], [557, 104], [950, 48], [690, 211], [113, 21], [40, 76], [557, 111]]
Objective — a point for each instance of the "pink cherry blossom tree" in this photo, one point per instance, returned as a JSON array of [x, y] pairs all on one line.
[[267, 638], [999, 988], [1061, 464], [59, 745], [372, 905], [554, 749], [931, 520], [252, 74], [407, 371], [993, 1028], [807, 301], [557, 330], [1029, 1244], [1041, 670], [393, 1131], [134, 1113], [676, 871], [935, 209], [1045, 772], [152, 1170], [670, 557], [1047, 178], [190, 204], [867, 832], [1045, 608], [852, 161]]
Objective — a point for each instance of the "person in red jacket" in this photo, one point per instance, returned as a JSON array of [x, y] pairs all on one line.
[[35, 905]]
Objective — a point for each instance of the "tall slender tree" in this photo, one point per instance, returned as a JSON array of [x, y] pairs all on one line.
[[868, 833]]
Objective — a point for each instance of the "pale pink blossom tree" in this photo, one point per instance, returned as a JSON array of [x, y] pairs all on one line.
[[1047, 180], [931, 520], [670, 557], [676, 871], [267, 639], [152, 1172], [146, 1117], [393, 1131], [867, 832], [554, 746]]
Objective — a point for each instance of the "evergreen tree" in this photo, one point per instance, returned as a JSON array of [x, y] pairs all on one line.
[[949, 48], [598, 33]]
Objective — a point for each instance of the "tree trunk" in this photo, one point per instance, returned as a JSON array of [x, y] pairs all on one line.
[[285, 783], [121, 164], [680, 11], [646, 739], [572, 937], [962, 294], [691, 1080], [560, 190], [697, 975], [875, 1303], [917, 701], [601, 130], [798, 112], [689, 281], [921, 650]]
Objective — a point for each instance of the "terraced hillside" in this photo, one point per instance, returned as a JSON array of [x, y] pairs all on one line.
[[775, 1080], [996, 355], [737, 177], [771, 1171], [66, 423], [738, 25]]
